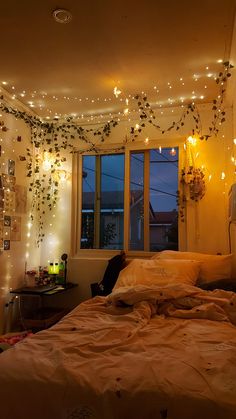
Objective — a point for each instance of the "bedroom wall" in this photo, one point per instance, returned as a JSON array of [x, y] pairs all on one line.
[[22, 250], [206, 225], [207, 222]]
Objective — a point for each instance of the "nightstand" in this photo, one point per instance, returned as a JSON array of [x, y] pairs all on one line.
[[42, 314]]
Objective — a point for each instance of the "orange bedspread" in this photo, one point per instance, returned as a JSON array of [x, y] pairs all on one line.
[[140, 353]]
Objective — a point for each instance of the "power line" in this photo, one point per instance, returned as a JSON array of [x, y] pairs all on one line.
[[133, 183]]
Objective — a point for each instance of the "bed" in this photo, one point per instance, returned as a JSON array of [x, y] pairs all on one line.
[[150, 349]]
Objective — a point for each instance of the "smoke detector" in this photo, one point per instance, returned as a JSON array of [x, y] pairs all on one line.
[[62, 15]]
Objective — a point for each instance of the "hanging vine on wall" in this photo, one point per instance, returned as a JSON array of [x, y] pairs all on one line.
[[192, 188], [56, 138], [147, 114]]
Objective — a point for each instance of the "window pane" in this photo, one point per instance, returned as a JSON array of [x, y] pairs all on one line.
[[88, 201], [136, 201], [163, 216], [112, 202]]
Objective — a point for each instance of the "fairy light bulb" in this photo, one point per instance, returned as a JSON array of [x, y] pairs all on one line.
[[192, 140], [160, 149], [222, 176], [146, 140], [173, 152], [116, 92], [235, 141], [46, 162]]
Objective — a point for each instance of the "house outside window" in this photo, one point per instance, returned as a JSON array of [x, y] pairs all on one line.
[[130, 205]]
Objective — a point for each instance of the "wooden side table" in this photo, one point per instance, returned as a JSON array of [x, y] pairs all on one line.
[[43, 316]]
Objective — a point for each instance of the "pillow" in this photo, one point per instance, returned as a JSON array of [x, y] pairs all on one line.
[[158, 272], [213, 267]]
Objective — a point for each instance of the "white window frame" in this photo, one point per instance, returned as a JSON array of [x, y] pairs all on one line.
[[76, 251]]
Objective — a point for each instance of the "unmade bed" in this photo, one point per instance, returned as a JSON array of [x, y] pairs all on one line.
[[147, 350]]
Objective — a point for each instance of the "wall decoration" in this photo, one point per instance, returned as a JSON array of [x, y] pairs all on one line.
[[6, 244], [20, 199], [7, 221], [9, 201], [6, 233], [11, 167], [1, 229], [8, 182], [15, 228], [1, 199], [56, 137]]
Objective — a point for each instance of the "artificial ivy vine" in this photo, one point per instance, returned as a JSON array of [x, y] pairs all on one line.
[[192, 187], [147, 115], [55, 138]]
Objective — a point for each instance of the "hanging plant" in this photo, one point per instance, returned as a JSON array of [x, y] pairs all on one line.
[[192, 188]]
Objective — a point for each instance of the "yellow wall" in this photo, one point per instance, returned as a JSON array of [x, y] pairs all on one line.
[[206, 224]]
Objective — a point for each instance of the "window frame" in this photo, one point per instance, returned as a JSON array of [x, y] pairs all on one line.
[[76, 251]]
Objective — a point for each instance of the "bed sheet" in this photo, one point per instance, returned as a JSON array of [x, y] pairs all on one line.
[[130, 355]]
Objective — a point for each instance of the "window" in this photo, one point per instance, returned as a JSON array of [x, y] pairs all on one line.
[[102, 202], [151, 191]]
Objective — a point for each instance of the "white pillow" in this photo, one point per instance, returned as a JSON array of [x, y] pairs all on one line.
[[158, 272], [213, 267]]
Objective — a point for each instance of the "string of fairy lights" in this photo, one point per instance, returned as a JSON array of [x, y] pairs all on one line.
[[40, 129], [38, 100]]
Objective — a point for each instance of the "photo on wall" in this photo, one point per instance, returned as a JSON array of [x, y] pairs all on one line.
[[1, 199], [9, 201], [20, 199], [11, 167], [8, 182], [7, 221], [16, 228], [6, 244]]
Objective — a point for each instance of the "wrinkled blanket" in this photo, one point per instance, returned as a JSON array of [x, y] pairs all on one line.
[[181, 301], [140, 353]]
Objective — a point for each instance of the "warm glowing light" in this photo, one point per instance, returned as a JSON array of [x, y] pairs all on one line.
[[160, 149], [146, 140], [47, 161], [116, 91], [192, 140], [235, 141], [173, 152], [126, 111], [222, 176]]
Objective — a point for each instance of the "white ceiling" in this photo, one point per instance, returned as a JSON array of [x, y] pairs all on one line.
[[168, 49]]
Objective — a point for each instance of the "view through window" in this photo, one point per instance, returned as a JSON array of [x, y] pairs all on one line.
[[153, 214]]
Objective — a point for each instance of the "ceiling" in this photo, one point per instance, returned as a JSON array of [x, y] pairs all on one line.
[[168, 49]]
